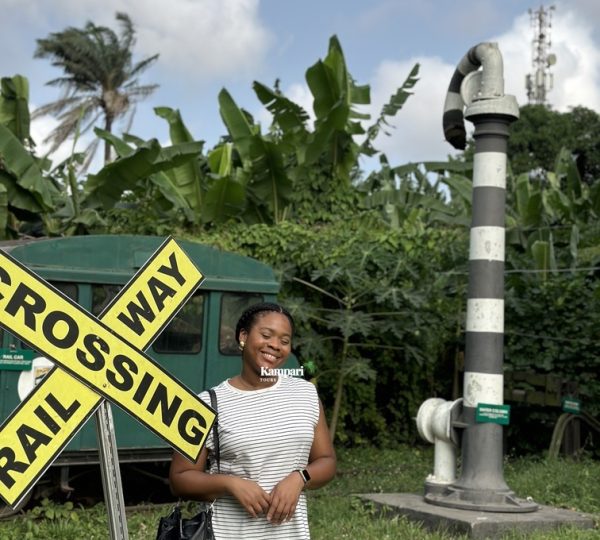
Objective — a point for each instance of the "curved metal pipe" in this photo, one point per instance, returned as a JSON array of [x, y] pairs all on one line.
[[481, 485], [487, 56]]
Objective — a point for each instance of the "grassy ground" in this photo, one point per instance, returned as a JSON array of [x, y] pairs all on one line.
[[336, 514]]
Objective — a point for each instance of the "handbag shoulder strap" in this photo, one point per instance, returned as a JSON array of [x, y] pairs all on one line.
[[215, 428]]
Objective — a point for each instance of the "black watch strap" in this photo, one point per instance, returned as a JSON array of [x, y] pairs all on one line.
[[304, 474]]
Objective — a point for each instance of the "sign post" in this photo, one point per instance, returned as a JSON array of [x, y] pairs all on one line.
[[100, 358], [111, 473]]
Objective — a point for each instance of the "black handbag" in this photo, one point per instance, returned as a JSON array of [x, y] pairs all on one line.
[[175, 527], [199, 527]]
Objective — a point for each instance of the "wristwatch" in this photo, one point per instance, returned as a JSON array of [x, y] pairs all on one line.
[[304, 474]]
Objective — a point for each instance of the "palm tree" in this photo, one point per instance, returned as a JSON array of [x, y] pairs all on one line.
[[99, 78]]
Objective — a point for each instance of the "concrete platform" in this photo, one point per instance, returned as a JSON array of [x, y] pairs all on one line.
[[478, 525]]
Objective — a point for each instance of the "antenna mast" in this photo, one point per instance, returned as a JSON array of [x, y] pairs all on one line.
[[540, 81]]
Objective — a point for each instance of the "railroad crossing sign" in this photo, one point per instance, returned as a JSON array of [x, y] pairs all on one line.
[[97, 358]]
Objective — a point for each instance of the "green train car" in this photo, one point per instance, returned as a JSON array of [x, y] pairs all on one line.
[[198, 347]]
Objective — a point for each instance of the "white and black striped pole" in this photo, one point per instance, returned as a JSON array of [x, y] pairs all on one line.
[[481, 484]]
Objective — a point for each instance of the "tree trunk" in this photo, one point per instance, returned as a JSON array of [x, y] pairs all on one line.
[[108, 127], [338, 392]]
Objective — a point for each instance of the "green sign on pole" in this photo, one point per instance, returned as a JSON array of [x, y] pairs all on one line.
[[492, 414], [16, 360], [571, 405]]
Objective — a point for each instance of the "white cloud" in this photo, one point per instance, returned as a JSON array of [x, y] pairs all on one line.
[[204, 38], [39, 129], [577, 72], [201, 39]]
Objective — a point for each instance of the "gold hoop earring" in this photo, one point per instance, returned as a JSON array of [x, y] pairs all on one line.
[[241, 345]]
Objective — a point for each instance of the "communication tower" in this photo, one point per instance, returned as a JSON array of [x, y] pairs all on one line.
[[540, 82]]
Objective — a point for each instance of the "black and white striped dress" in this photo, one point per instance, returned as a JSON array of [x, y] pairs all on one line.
[[264, 435]]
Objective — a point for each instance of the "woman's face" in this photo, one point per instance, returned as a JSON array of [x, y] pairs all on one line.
[[269, 341]]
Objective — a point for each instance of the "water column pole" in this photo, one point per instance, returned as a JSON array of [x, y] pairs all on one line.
[[481, 484]]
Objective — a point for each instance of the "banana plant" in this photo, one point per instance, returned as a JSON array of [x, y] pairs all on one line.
[[301, 169], [390, 109], [264, 178], [205, 189], [14, 107], [27, 195], [261, 172], [148, 161], [225, 197], [550, 212], [187, 179], [335, 97], [419, 191]]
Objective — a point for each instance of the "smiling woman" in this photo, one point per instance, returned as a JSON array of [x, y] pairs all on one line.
[[273, 440]]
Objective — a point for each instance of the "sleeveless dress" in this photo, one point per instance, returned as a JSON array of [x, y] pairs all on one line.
[[263, 435]]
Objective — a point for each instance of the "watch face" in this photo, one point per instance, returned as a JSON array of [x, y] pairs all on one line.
[[305, 475]]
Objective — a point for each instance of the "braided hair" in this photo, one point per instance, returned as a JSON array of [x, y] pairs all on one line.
[[248, 318]]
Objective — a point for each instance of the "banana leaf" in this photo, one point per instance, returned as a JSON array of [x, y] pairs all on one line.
[[3, 211], [566, 166], [330, 102], [268, 184], [448, 166], [390, 109], [334, 94], [14, 106], [106, 188], [177, 129], [543, 255], [26, 174], [288, 115], [187, 177], [120, 145], [460, 187], [161, 180], [529, 202], [224, 200], [236, 123], [219, 160]]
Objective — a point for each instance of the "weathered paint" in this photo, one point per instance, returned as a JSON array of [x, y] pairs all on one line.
[[485, 315], [489, 170], [483, 388], [487, 243]]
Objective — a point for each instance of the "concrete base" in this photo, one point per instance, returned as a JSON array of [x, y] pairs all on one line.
[[477, 525]]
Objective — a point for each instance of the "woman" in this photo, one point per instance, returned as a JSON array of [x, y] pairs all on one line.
[[273, 437]]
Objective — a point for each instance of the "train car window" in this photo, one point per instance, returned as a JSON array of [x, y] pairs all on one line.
[[69, 289], [232, 306], [183, 335], [102, 295]]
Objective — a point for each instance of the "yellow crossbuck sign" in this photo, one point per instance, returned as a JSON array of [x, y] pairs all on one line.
[[98, 358]]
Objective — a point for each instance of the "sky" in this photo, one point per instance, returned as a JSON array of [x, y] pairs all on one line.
[[207, 45]]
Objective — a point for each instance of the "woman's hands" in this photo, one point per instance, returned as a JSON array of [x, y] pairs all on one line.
[[279, 505], [284, 498], [250, 495]]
